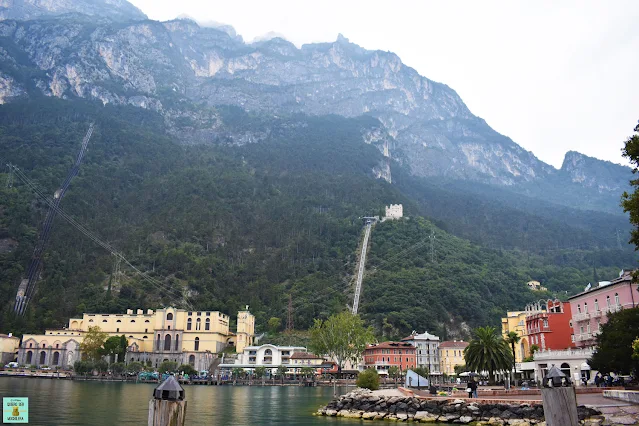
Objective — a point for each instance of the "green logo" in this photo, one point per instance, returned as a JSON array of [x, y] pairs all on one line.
[[15, 410]]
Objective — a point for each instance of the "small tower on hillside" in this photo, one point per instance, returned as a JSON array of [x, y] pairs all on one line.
[[245, 330], [394, 211]]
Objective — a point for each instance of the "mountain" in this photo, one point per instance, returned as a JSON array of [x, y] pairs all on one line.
[[184, 71], [32, 9], [222, 225]]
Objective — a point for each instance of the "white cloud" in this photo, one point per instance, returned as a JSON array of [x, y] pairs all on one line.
[[554, 76]]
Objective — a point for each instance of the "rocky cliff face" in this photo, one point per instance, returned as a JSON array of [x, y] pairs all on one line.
[[184, 72], [589, 172], [32, 9]]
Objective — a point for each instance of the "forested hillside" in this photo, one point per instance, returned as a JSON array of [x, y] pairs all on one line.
[[221, 225]]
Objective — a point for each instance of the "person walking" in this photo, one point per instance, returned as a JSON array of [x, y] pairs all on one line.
[[472, 388]]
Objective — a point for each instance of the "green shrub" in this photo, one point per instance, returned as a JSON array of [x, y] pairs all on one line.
[[368, 379]]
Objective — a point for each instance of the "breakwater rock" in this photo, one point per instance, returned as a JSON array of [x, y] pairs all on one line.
[[362, 403]]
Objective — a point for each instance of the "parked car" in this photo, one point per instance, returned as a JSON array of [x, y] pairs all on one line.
[[12, 365]]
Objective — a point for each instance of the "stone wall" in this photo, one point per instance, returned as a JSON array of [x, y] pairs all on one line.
[[623, 395], [362, 403]]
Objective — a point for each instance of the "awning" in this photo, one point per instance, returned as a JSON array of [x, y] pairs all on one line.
[[585, 366]]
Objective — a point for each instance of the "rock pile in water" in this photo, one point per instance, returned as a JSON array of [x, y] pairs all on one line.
[[362, 403]]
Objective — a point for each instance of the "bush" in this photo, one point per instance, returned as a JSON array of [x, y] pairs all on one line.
[[169, 366], [188, 369], [134, 367], [368, 379], [117, 368]]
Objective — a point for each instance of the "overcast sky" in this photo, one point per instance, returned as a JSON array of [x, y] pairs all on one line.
[[553, 76]]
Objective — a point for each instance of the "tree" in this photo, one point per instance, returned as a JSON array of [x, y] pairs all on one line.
[[460, 369], [307, 371], [83, 367], [341, 337], [394, 372], [115, 348], [630, 202], [422, 371], [92, 344], [513, 338], [117, 368], [531, 357], [488, 351], [260, 372], [614, 353], [281, 371], [187, 369], [169, 366], [134, 367], [368, 379], [237, 373], [274, 324]]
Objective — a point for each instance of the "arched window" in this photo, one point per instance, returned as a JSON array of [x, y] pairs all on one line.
[[207, 326], [617, 299], [132, 320], [268, 352], [608, 301], [90, 320], [43, 357], [158, 342], [31, 344], [167, 342], [144, 337], [29, 357], [192, 360], [198, 324], [188, 324], [44, 345], [197, 343], [579, 308], [586, 307], [596, 305], [147, 321], [56, 358], [130, 337], [169, 316], [104, 321], [118, 321], [177, 343]]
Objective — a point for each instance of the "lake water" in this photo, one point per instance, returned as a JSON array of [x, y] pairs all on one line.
[[66, 402]]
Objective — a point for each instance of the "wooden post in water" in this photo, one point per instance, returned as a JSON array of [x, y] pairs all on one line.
[[559, 399], [168, 405]]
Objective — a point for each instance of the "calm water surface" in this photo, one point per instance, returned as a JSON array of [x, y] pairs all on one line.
[[65, 402]]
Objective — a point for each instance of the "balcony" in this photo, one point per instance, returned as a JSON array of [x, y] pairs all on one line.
[[583, 316], [582, 337], [564, 354]]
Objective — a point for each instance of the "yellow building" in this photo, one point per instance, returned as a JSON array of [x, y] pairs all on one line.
[[516, 321], [8, 348], [451, 354], [167, 334]]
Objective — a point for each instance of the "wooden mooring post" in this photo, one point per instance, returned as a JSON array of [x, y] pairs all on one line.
[[168, 405], [559, 399]]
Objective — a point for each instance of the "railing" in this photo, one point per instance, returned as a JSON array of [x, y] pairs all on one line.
[[539, 329], [582, 337], [567, 353], [581, 316]]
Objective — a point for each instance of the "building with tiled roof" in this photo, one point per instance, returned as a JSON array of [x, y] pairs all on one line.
[[451, 354], [382, 356], [427, 350]]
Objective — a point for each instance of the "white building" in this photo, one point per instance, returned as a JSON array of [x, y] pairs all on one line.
[[269, 356], [394, 211], [572, 362], [427, 346]]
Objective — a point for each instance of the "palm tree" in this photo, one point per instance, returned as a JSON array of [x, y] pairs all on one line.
[[488, 351], [513, 338]]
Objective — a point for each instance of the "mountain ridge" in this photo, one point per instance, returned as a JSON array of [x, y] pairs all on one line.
[[185, 72]]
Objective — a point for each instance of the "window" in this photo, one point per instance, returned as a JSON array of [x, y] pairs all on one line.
[[608, 301], [581, 329], [192, 360], [190, 313], [596, 305], [188, 324], [199, 314], [117, 330], [118, 321], [588, 328], [146, 330], [198, 324], [90, 320], [132, 320], [29, 357], [617, 299], [167, 342], [147, 321], [208, 314], [30, 345], [144, 337], [169, 316], [169, 327], [579, 308], [197, 343], [586, 307], [546, 322], [130, 337], [177, 343], [207, 326], [158, 343]]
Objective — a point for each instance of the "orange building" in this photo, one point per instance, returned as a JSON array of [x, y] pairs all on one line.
[[382, 356]]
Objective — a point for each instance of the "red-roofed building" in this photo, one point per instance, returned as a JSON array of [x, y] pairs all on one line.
[[550, 327], [382, 356]]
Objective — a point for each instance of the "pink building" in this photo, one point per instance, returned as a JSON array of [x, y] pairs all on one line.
[[591, 307]]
